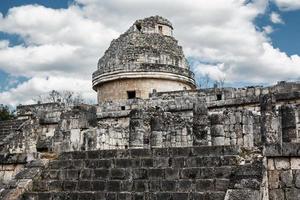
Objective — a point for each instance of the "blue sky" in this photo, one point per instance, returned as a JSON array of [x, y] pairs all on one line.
[[55, 44], [285, 34], [6, 79], [7, 4]]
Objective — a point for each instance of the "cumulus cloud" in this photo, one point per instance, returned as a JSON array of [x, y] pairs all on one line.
[[57, 41], [27, 91], [66, 43], [287, 5], [215, 72], [276, 18]]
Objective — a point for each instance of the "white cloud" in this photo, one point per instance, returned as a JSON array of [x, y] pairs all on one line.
[[26, 92], [56, 41], [67, 43], [268, 29], [276, 18], [61, 44], [287, 5], [215, 72], [4, 44]]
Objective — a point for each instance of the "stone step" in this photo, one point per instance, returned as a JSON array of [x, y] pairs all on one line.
[[157, 162], [11, 123], [140, 173], [155, 152], [5, 128], [155, 185], [9, 126], [209, 195], [5, 132], [167, 173]]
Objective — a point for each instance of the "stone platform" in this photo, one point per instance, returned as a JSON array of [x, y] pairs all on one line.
[[163, 173]]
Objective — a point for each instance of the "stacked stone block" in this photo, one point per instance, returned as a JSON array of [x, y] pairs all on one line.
[[72, 127], [288, 122], [217, 129], [9, 126], [161, 173], [270, 124], [240, 128], [201, 129], [169, 129], [112, 133], [16, 174], [136, 129], [284, 178]]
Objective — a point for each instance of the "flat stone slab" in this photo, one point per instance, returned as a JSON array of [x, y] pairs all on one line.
[[242, 194]]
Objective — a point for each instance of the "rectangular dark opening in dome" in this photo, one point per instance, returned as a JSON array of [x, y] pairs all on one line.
[[138, 27], [160, 29], [219, 97], [131, 94]]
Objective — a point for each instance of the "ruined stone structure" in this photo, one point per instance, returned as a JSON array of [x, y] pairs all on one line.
[[145, 58], [186, 144]]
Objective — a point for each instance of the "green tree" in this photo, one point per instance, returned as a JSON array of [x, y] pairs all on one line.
[[5, 113]]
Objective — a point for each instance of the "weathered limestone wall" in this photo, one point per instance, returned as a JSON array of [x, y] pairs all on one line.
[[233, 120], [165, 30], [290, 115], [284, 178], [36, 126], [26, 111], [12, 164], [152, 24], [112, 133], [249, 98], [8, 130], [281, 147], [263, 124], [194, 173], [172, 119], [170, 142], [22, 140], [179, 127], [7, 172], [117, 90], [235, 127], [73, 126], [17, 174], [169, 119]]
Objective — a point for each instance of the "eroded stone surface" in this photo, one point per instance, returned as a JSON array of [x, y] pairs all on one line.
[[164, 145]]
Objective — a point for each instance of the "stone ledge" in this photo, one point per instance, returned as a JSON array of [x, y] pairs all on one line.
[[157, 152], [17, 158], [146, 67], [141, 74]]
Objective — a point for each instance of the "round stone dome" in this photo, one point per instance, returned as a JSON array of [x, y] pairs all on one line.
[[144, 58]]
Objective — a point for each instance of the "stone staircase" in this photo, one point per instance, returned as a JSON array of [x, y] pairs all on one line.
[[189, 173], [8, 133], [9, 126]]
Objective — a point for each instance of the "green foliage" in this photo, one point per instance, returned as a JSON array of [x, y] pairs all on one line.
[[5, 113]]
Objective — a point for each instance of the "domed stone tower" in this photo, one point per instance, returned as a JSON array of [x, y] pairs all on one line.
[[144, 59]]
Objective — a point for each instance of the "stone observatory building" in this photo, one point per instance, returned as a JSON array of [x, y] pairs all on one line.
[[144, 59], [153, 135]]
